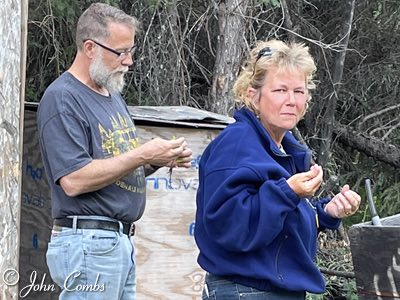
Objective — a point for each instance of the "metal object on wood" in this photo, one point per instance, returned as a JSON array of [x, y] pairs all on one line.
[[374, 215]]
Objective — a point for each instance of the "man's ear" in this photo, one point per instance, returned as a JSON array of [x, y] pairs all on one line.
[[88, 48], [252, 94]]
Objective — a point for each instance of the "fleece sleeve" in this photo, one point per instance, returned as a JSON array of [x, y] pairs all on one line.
[[243, 211], [325, 220]]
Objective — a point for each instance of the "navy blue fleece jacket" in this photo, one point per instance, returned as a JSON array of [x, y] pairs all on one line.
[[250, 225]]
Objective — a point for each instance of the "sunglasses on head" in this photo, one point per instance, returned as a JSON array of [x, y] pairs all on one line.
[[264, 52]]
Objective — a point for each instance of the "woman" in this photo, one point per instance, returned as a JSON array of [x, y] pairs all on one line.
[[256, 223]]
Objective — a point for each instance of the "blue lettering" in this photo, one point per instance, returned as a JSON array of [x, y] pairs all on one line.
[[34, 200], [191, 228], [176, 187], [35, 243], [35, 173], [155, 184], [194, 183], [186, 186], [196, 161], [168, 184]]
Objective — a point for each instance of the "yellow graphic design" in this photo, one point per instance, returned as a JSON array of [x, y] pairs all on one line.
[[120, 138], [130, 187]]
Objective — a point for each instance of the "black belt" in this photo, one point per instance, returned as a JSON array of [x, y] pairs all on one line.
[[128, 229]]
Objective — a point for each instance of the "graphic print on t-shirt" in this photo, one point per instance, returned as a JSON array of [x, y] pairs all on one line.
[[120, 138]]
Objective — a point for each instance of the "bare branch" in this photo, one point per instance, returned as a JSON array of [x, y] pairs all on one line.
[[380, 112]]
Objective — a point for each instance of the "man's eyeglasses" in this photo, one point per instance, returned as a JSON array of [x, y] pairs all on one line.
[[264, 52], [121, 55]]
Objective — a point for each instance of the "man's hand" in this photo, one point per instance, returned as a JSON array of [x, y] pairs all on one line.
[[160, 152], [307, 183], [184, 160]]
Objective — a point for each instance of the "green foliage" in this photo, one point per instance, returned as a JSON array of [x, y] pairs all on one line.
[[66, 9], [390, 199], [350, 290], [376, 13], [385, 184], [154, 3], [273, 3], [50, 43], [334, 255]]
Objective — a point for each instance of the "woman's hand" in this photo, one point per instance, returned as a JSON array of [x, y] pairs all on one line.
[[307, 183], [344, 204]]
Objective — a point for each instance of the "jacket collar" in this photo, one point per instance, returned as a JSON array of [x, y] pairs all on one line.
[[301, 153]]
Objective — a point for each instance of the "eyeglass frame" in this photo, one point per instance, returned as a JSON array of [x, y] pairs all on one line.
[[121, 55], [264, 52]]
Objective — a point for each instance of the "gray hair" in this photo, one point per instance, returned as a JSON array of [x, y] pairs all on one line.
[[93, 23]]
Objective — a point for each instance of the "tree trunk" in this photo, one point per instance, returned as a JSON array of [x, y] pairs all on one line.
[[288, 21], [372, 147], [231, 41], [175, 92], [328, 119]]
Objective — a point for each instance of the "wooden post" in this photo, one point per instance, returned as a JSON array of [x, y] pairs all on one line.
[[13, 35]]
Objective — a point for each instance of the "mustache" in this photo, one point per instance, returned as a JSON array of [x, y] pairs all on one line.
[[122, 70]]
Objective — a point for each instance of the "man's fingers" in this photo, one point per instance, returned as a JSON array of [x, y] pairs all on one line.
[[178, 142], [185, 156]]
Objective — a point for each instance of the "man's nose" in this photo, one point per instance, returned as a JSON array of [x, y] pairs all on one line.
[[128, 60]]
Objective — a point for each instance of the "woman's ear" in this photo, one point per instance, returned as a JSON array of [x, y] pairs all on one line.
[[306, 105], [252, 94]]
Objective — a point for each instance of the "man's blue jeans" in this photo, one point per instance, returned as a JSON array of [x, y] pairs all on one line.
[[92, 264], [217, 288]]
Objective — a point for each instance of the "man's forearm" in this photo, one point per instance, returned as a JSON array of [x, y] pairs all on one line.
[[100, 173]]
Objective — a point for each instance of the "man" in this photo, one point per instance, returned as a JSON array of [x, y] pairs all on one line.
[[94, 163]]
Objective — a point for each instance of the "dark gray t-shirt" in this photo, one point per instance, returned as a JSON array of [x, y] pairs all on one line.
[[77, 125]]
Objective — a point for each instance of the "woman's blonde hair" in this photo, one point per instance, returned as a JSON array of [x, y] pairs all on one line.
[[273, 54]]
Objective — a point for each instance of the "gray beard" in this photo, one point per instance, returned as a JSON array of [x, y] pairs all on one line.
[[103, 77]]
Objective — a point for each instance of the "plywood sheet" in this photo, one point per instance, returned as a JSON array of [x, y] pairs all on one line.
[[167, 253]]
